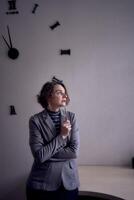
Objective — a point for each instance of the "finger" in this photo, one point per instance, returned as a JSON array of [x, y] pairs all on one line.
[[67, 122], [69, 127]]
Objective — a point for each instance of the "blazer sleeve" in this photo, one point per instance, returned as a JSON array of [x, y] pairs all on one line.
[[70, 151], [43, 152]]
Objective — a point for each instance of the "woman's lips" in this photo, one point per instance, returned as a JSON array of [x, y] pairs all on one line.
[[64, 101]]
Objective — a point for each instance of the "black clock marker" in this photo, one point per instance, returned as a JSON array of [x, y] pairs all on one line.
[[12, 7], [52, 27], [54, 79], [35, 8], [12, 110], [65, 51]]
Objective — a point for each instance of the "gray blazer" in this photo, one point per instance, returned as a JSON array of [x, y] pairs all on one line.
[[54, 157]]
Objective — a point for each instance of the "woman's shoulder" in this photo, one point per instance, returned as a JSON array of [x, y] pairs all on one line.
[[38, 115], [71, 115]]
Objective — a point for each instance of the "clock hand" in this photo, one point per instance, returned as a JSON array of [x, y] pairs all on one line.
[[6, 42], [11, 46], [13, 53]]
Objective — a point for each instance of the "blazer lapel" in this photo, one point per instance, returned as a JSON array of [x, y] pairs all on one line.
[[64, 115], [49, 123]]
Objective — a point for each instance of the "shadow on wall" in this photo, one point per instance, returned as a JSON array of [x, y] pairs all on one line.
[[14, 190]]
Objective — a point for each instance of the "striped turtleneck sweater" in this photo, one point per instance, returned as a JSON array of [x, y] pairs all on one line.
[[56, 118]]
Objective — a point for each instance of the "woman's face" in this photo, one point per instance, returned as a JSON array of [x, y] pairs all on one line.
[[58, 97]]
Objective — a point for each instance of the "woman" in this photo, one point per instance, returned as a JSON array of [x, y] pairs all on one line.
[[54, 142]]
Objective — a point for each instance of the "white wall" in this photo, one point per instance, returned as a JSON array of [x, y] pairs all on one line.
[[99, 75]]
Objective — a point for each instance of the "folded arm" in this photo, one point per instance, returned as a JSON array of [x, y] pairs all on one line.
[[70, 151]]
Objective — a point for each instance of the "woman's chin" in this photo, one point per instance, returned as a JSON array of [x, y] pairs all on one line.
[[63, 104]]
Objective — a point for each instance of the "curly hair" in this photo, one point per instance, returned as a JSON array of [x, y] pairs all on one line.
[[46, 91]]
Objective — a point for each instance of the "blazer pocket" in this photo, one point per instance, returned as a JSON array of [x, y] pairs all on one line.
[[71, 165]]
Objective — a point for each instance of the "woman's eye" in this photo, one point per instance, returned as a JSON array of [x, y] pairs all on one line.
[[61, 93]]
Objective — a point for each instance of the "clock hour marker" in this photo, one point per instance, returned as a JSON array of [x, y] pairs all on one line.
[[65, 52], [53, 26], [35, 8], [54, 79], [12, 110], [12, 7]]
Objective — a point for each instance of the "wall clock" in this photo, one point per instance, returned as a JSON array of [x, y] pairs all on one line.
[[12, 9]]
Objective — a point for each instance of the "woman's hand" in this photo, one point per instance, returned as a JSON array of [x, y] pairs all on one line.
[[65, 128]]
